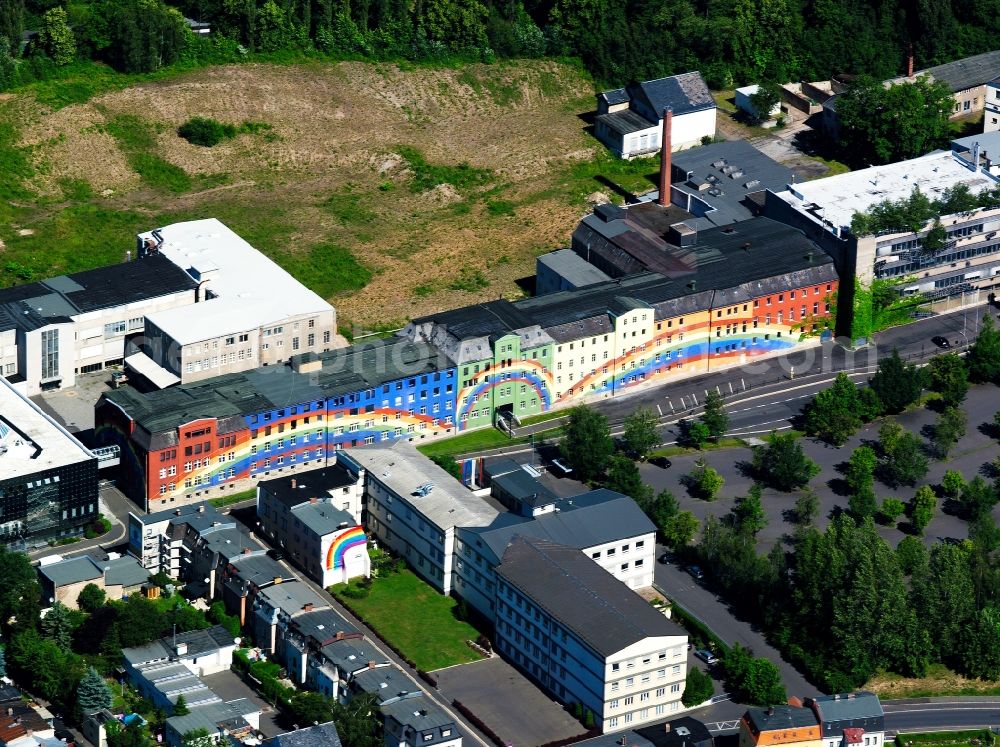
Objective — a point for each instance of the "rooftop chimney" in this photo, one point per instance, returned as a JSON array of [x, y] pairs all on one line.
[[295, 483], [770, 710], [975, 156], [665, 143], [201, 508], [371, 665], [666, 727], [307, 607]]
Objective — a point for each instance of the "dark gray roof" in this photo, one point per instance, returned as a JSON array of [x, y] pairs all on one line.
[[125, 571], [780, 717], [713, 165], [524, 488], [72, 571], [351, 654], [204, 641], [386, 683], [562, 581], [322, 625], [176, 513], [684, 732], [346, 370], [490, 319], [421, 714], [614, 96], [625, 122], [311, 484], [685, 93], [571, 266], [582, 521], [968, 72], [321, 735], [102, 288], [842, 710]]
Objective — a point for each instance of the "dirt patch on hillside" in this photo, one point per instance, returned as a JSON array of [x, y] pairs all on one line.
[[939, 681], [333, 129]]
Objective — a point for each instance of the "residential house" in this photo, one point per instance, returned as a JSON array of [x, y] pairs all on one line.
[[235, 720], [780, 725], [315, 517], [156, 539], [166, 669], [318, 735], [243, 578], [849, 719], [629, 120], [991, 120], [275, 607], [410, 718], [623, 661], [118, 577]]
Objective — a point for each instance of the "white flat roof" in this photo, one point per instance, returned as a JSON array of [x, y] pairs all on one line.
[[252, 290], [30, 440], [402, 469], [838, 198], [146, 366]]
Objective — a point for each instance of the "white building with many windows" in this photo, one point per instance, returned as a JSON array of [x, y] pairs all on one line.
[[414, 508], [586, 637]]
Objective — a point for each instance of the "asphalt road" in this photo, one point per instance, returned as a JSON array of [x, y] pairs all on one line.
[[941, 714], [703, 604]]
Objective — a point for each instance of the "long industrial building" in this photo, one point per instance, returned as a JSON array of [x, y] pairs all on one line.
[[682, 301]]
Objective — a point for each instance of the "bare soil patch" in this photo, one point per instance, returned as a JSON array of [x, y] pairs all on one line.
[[327, 170]]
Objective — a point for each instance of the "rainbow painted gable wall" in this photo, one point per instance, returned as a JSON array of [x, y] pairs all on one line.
[[341, 546]]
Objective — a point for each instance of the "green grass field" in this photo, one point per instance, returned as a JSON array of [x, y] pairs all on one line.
[[971, 738], [417, 620]]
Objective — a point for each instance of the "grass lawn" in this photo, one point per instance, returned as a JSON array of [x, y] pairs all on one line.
[[487, 438], [243, 495], [723, 443], [938, 682], [545, 416], [971, 738], [417, 620]]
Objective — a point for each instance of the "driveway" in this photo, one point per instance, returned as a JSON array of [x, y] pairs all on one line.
[[506, 701]]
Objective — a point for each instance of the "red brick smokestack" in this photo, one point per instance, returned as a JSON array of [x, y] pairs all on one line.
[[665, 143], [909, 63]]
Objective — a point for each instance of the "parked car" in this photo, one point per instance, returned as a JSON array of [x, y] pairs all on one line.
[[706, 656], [941, 342], [695, 572], [276, 554], [661, 462], [560, 470], [666, 558]]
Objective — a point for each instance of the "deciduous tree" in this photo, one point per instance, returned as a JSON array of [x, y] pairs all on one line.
[[623, 477], [714, 416], [948, 430], [587, 445], [835, 413], [640, 434], [983, 359], [698, 688], [705, 482], [897, 384], [55, 37], [747, 515], [782, 464], [91, 598], [949, 378], [902, 461], [921, 509]]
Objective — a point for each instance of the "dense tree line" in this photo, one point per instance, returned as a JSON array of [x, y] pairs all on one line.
[[730, 41]]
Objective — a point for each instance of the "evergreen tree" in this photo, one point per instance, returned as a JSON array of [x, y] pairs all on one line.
[[639, 434], [93, 693], [11, 26], [180, 706], [57, 626], [587, 445], [714, 416], [897, 384]]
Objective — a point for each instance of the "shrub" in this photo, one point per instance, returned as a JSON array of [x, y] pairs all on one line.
[[206, 132]]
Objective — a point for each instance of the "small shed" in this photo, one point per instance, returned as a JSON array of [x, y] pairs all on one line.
[[744, 104]]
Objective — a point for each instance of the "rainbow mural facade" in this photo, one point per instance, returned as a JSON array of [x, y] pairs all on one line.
[[342, 544], [198, 441]]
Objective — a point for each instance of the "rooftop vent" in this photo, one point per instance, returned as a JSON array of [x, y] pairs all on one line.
[[752, 184]]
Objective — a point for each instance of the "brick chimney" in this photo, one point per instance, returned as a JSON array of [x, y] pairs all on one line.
[[909, 63], [295, 483], [371, 665], [665, 144], [307, 607]]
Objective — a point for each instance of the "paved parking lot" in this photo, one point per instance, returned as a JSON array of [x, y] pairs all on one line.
[[506, 701]]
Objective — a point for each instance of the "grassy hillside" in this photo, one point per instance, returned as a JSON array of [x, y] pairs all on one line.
[[391, 192]]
